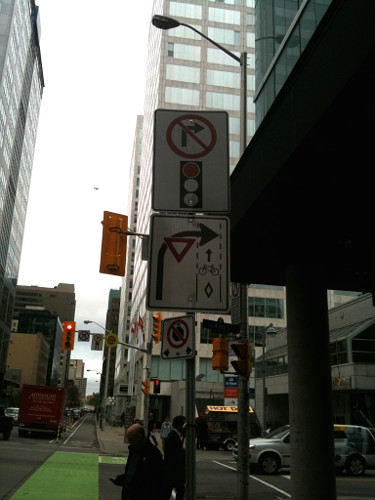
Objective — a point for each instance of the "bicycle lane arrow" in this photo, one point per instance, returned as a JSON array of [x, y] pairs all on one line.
[[205, 234]]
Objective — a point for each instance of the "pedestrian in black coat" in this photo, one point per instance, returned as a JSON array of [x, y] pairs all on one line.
[[174, 460], [143, 470]]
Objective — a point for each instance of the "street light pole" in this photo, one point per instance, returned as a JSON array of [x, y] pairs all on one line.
[[105, 395], [269, 329], [165, 23]]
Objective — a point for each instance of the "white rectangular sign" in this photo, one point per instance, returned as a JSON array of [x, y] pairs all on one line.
[[189, 263], [191, 161]]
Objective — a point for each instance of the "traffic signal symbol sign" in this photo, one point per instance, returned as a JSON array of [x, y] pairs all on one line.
[[146, 387], [113, 254], [242, 365], [157, 327], [191, 184], [69, 329], [220, 349]]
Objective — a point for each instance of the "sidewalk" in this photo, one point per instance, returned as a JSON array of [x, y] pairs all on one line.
[[112, 442]]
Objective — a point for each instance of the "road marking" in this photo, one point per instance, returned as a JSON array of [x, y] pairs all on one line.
[[257, 479]]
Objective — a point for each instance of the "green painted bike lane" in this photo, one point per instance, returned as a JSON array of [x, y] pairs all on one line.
[[66, 475]]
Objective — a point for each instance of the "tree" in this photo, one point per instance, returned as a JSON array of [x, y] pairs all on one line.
[[73, 397]]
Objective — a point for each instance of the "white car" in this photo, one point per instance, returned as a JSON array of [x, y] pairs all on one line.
[[12, 412], [354, 446]]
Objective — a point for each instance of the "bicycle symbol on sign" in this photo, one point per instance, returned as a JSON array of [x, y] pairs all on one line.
[[208, 269]]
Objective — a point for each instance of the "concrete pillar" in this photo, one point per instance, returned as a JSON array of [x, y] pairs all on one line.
[[310, 403]]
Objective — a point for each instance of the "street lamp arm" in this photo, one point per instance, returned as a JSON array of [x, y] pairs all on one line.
[[166, 23]]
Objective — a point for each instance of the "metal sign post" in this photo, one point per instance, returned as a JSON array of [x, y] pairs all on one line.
[[190, 428]]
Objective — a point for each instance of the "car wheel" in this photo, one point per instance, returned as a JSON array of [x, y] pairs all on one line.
[[269, 463], [229, 445], [6, 435], [355, 465]]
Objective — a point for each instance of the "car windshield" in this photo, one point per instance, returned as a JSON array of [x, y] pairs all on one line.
[[278, 433]]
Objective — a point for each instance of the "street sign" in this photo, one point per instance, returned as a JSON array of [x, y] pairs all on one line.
[[97, 342], [191, 161], [221, 327], [84, 335], [189, 263], [111, 340], [178, 338]]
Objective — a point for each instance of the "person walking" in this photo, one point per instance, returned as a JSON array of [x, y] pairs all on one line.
[[143, 470], [152, 428], [174, 460], [165, 429]]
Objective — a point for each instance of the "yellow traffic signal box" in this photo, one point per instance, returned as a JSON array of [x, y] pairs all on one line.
[[157, 327], [114, 241], [243, 364], [69, 330], [146, 387], [220, 349]]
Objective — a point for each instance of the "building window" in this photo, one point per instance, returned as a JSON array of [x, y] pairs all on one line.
[[264, 307]]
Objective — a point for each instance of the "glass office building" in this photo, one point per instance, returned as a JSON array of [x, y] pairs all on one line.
[[21, 89]]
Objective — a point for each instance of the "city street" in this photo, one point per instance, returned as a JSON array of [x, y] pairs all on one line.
[[25, 461]]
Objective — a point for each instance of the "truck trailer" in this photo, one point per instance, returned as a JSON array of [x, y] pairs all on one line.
[[41, 410]]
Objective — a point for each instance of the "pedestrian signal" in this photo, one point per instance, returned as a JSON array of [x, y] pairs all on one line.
[[157, 328], [69, 330]]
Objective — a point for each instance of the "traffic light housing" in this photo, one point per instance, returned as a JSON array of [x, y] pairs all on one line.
[[220, 349], [157, 386], [69, 329], [157, 327], [242, 365], [114, 241], [146, 387]]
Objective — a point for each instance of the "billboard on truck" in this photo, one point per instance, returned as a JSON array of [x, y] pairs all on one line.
[[41, 409]]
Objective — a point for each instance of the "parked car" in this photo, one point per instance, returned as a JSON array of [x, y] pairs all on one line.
[[354, 446], [12, 412]]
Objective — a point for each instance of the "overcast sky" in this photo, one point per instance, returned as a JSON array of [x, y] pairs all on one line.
[[94, 62]]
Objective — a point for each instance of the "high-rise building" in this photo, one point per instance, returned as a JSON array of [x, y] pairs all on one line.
[[21, 89], [59, 300]]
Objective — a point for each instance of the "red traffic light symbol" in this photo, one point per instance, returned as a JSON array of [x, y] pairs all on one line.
[[69, 327]]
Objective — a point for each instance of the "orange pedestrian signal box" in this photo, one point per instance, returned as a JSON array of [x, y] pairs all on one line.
[[114, 241]]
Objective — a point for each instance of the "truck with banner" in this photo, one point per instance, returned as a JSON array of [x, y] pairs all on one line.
[[41, 410]]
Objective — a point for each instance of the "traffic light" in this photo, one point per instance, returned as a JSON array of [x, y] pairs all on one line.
[[157, 386], [114, 240], [146, 387], [157, 327], [68, 335], [191, 184], [243, 364], [220, 348]]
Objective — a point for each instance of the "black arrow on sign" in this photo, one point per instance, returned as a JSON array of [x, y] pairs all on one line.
[[205, 234]]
